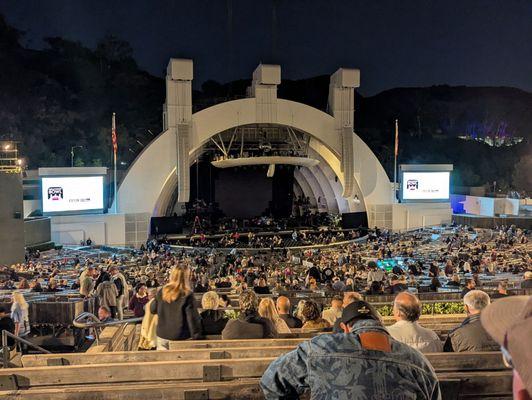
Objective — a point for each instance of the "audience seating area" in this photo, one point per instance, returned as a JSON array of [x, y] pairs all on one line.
[[214, 369]]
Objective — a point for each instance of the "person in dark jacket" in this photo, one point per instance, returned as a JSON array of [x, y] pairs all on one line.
[[249, 325], [213, 321], [7, 324], [139, 300], [471, 335], [174, 305], [283, 307], [262, 287]]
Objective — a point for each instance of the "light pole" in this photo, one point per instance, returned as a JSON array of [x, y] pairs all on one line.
[[72, 154]]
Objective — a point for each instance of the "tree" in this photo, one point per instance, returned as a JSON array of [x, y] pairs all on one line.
[[522, 177], [114, 49], [78, 162]]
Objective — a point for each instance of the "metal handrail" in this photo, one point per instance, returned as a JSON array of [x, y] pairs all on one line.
[[6, 350], [81, 322]]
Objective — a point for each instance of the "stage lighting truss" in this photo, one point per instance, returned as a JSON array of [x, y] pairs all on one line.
[[259, 144]]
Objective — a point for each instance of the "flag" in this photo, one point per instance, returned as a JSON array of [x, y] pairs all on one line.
[[396, 138], [115, 143]]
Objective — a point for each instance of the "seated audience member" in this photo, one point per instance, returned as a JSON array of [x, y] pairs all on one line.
[[139, 300], [375, 288], [249, 325], [174, 304], [349, 297], [509, 322], [224, 301], [23, 284], [398, 284], [337, 364], [311, 317], [502, 291], [36, 286], [406, 311], [104, 314], [202, 286], [338, 285], [267, 310], [375, 273], [470, 335], [434, 284], [527, 280], [469, 285], [332, 314], [455, 281], [283, 307], [262, 287], [213, 321]]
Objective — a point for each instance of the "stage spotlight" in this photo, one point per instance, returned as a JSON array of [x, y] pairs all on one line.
[[7, 146]]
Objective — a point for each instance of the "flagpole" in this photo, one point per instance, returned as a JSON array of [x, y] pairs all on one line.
[[396, 151], [114, 167]]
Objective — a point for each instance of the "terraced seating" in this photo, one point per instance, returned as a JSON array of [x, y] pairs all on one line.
[[474, 375]]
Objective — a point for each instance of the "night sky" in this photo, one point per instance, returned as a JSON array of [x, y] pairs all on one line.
[[394, 42]]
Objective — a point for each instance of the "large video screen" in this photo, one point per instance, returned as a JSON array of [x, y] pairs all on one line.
[[72, 194], [425, 185]]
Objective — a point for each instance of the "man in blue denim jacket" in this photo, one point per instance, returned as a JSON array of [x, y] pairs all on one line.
[[364, 362]]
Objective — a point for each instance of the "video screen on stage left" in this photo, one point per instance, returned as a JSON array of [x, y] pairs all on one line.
[[72, 194], [429, 186]]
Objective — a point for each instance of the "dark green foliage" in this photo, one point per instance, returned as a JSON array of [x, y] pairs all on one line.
[[64, 95]]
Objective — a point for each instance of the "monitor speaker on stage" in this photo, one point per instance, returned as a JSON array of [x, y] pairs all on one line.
[[354, 220], [166, 225]]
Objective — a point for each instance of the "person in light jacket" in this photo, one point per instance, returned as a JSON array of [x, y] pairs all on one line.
[[406, 311], [107, 293]]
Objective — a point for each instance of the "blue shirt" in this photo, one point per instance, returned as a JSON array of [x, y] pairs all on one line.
[[20, 315]]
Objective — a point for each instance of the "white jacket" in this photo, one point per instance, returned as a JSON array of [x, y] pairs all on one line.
[[414, 335]]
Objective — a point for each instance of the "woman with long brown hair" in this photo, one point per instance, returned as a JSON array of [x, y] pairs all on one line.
[[178, 318]]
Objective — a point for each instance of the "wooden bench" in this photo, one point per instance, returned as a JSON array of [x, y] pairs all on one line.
[[211, 370], [447, 362], [493, 386]]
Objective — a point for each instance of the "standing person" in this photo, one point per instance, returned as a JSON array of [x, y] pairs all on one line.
[[406, 311], [7, 324], [19, 315], [470, 335], [123, 293], [509, 322], [174, 304], [148, 328], [267, 310], [139, 300], [107, 293], [86, 283], [336, 365], [283, 307]]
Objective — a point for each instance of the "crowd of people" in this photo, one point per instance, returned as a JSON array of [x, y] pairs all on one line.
[[165, 285]]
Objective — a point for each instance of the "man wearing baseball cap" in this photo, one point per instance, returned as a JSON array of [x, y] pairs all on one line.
[[363, 361], [509, 322]]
